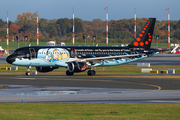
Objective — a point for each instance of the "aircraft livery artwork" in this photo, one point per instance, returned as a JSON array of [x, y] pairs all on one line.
[[53, 54], [82, 58]]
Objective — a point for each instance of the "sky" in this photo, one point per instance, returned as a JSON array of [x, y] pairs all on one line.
[[91, 9]]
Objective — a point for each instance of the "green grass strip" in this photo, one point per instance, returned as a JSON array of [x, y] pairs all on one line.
[[77, 111], [120, 69]]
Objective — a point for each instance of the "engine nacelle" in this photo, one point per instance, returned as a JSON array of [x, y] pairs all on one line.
[[75, 66], [45, 69]]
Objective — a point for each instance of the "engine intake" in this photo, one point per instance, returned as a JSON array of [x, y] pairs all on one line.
[[78, 66], [45, 69]]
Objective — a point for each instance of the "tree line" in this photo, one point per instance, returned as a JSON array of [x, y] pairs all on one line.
[[61, 29]]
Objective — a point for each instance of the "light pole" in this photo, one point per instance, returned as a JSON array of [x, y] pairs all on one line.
[[17, 37], [94, 38], [25, 39], [84, 37], [157, 36]]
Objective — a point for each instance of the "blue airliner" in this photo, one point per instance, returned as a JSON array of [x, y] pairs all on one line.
[[81, 58]]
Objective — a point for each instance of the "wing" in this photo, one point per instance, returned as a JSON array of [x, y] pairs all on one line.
[[95, 60]]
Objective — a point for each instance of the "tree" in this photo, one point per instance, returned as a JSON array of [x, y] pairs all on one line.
[[64, 26], [2, 23], [78, 25], [15, 28], [177, 34], [27, 21]]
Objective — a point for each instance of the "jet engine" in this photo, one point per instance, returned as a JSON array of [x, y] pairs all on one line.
[[45, 69], [78, 66]]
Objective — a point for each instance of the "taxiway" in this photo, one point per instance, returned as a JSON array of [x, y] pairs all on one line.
[[98, 89]]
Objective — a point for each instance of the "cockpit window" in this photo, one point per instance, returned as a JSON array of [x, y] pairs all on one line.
[[18, 52], [15, 52]]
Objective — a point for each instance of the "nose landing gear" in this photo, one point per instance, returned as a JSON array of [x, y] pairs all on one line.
[[28, 73]]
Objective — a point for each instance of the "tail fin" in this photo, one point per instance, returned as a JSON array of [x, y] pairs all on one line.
[[144, 38]]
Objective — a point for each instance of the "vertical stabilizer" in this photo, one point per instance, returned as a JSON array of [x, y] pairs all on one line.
[[143, 40]]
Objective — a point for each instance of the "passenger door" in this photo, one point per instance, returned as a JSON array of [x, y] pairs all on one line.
[[32, 53]]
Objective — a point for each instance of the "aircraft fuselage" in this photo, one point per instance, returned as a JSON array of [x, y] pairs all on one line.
[[59, 55]]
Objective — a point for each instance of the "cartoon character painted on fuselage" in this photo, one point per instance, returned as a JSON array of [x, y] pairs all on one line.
[[55, 56]]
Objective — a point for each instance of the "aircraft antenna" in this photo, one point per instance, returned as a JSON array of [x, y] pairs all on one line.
[[37, 31], [73, 26], [135, 23], [106, 26]]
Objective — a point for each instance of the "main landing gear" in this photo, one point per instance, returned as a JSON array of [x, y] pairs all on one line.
[[91, 72], [28, 73], [69, 73]]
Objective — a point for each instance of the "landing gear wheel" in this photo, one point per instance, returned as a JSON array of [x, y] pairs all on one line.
[[28, 73], [69, 73], [91, 72]]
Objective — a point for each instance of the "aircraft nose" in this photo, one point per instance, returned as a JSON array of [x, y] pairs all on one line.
[[10, 59]]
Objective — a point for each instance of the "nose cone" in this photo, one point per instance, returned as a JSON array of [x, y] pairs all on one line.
[[10, 59]]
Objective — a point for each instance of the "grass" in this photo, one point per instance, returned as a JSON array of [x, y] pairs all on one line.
[[125, 71], [123, 66], [127, 66], [110, 70], [76, 111], [4, 86], [14, 45]]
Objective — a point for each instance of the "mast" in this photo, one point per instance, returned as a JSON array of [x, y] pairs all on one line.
[[73, 26], [135, 23], [7, 33], [168, 29], [106, 26], [37, 31]]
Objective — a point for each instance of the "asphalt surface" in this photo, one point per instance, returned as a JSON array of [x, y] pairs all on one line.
[[3, 59], [161, 59], [97, 89], [95, 82], [85, 89]]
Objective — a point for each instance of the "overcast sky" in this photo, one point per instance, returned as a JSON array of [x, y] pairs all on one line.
[[91, 9]]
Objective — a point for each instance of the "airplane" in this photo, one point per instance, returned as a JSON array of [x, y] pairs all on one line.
[[81, 58]]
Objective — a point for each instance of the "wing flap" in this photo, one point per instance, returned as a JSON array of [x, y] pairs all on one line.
[[100, 59]]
